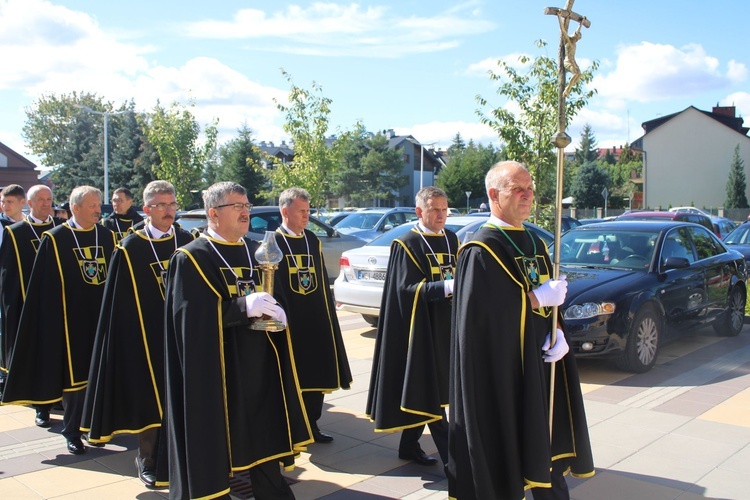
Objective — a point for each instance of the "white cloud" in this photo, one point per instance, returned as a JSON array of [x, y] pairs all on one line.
[[68, 51], [741, 100], [329, 29], [650, 72], [482, 67], [737, 72]]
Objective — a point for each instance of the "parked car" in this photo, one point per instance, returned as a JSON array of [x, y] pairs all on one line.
[[454, 212], [370, 223], [684, 216], [634, 284], [333, 218], [739, 240], [264, 219], [722, 225], [359, 286], [691, 210]]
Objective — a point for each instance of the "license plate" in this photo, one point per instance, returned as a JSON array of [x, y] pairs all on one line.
[[371, 275]]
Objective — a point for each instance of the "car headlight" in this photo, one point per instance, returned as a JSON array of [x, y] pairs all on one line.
[[589, 310]]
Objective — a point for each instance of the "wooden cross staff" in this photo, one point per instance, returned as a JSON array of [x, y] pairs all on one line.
[[561, 140]]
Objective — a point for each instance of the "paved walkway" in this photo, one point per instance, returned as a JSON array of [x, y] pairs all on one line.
[[681, 431]]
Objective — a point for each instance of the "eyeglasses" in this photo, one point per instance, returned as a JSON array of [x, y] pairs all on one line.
[[238, 207], [164, 206]]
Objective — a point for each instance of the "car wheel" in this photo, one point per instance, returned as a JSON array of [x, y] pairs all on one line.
[[371, 320], [731, 322], [643, 341]]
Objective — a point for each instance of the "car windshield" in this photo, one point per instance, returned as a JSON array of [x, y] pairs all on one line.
[[740, 236], [625, 249], [359, 220]]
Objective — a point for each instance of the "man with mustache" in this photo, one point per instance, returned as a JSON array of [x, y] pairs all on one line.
[[52, 353], [126, 380]]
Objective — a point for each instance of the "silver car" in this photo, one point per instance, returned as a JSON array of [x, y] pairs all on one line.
[[359, 286]]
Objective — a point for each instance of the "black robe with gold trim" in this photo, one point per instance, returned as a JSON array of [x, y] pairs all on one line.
[[232, 396], [318, 347], [499, 431], [409, 381], [56, 330], [126, 379], [17, 253], [121, 224]]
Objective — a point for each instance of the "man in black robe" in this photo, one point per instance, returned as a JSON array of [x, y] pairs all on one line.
[[126, 379], [318, 347], [409, 382], [17, 254], [501, 360], [52, 352], [124, 216], [233, 402]]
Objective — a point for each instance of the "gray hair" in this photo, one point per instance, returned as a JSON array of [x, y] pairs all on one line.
[[216, 194], [80, 192], [154, 188], [426, 193], [499, 174], [33, 190], [289, 195]]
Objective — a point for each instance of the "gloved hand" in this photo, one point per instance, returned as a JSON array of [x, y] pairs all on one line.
[[448, 284], [260, 303], [557, 351], [552, 292]]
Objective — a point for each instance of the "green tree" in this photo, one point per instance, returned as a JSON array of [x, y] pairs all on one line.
[[130, 165], [175, 134], [587, 150], [369, 170], [241, 162], [527, 133], [465, 171], [457, 145], [306, 122], [588, 185], [737, 183], [68, 139]]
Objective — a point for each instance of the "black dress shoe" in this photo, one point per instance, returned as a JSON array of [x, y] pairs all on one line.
[[42, 419], [85, 437], [75, 447], [147, 475], [321, 437], [418, 456]]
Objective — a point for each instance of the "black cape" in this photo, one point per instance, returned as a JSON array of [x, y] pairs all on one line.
[[56, 330], [499, 431], [232, 397], [318, 347], [17, 253], [409, 381], [121, 224], [126, 378]]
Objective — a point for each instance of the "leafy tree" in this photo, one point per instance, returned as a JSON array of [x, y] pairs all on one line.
[[465, 171], [68, 139], [587, 150], [131, 161], [457, 145], [241, 163], [175, 135], [526, 134], [369, 170], [736, 184], [588, 185], [306, 122]]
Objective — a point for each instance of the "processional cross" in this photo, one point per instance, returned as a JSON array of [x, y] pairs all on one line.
[[567, 63]]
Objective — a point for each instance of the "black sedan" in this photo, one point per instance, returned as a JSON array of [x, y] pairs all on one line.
[[634, 284], [739, 239]]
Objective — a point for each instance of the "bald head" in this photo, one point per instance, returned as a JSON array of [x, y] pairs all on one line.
[[40, 202], [510, 190]]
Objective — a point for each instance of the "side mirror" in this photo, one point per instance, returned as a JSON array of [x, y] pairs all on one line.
[[675, 263]]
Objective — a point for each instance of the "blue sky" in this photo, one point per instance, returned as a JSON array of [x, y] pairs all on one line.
[[415, 67]]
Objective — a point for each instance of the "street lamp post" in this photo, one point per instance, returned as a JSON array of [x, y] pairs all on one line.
[[468, 193], [106, 115]]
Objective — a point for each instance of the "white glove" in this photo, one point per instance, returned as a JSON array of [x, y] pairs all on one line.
[[557, 351], [260, 303], [448, 287], [552, 292]]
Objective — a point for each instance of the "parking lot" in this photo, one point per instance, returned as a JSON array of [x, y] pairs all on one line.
[[680, 431]]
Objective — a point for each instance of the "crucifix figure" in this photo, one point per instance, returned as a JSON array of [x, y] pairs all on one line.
[[569, 42]]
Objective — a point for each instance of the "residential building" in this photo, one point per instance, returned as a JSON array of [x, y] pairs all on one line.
[[687, 156], [16, 169]]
